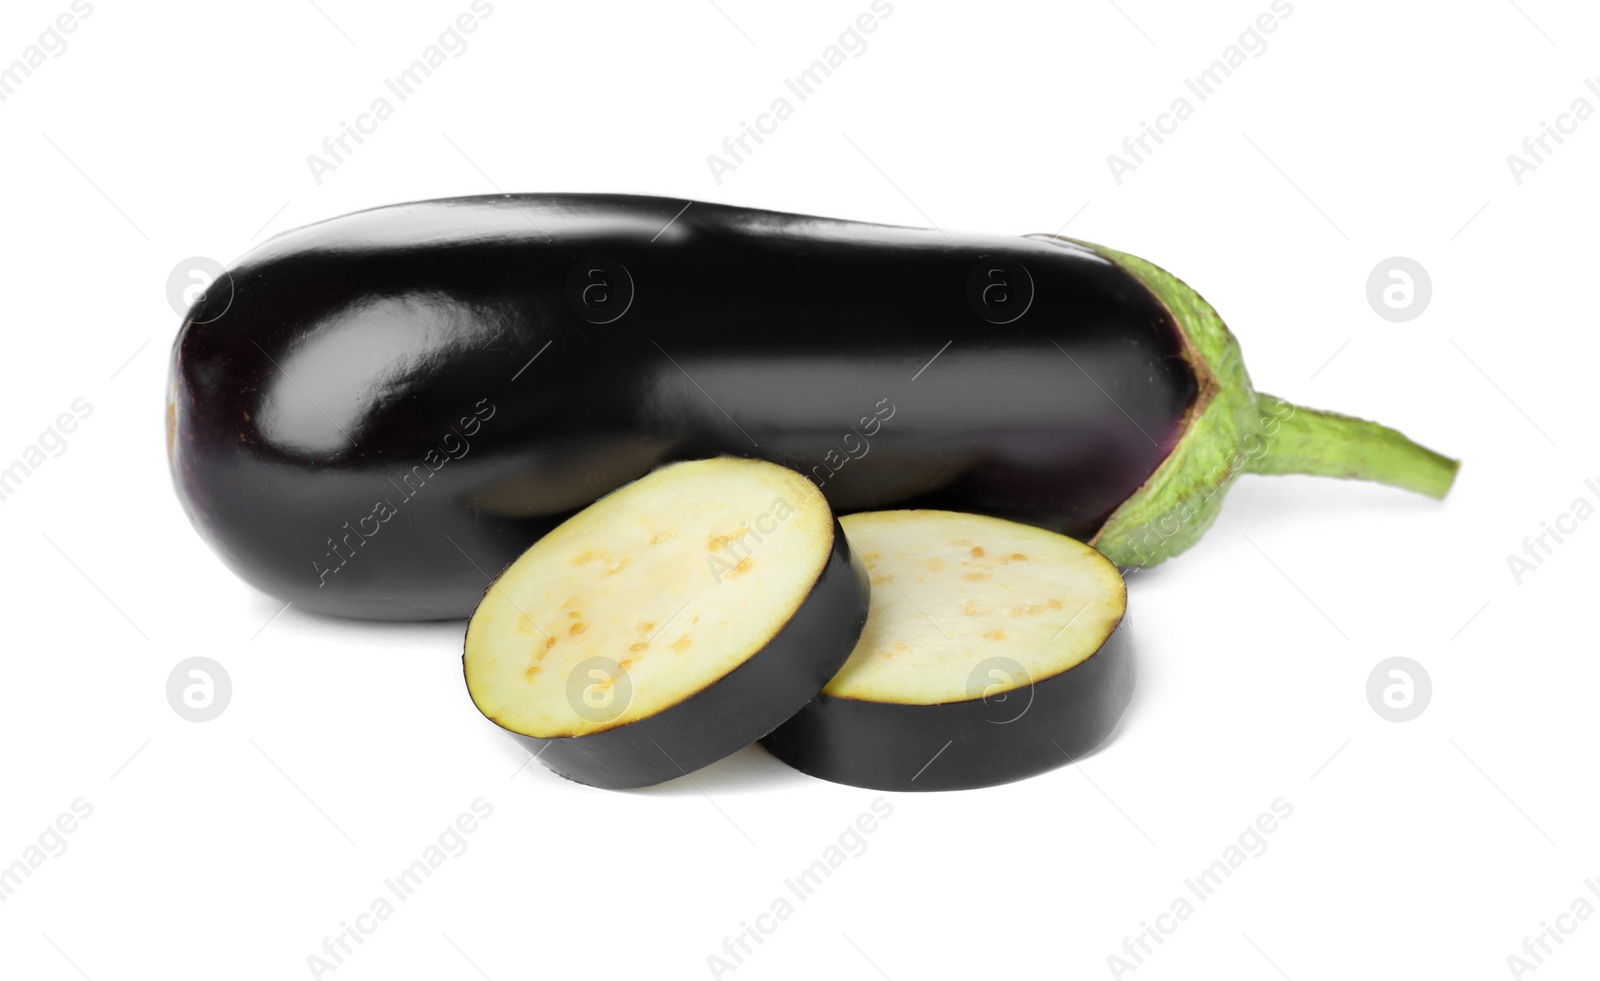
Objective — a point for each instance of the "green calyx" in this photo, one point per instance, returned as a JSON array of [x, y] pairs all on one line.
[[1232, 429]]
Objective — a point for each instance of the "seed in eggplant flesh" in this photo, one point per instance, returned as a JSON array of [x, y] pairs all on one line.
[[669, 624], [993, 651]]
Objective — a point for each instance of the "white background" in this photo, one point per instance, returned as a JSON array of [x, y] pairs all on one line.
[[1365, 130]]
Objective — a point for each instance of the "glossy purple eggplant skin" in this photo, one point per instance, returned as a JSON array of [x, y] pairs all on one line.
[[372, 416]]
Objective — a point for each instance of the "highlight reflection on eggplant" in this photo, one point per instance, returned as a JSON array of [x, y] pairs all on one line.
[[669, 624], [993, 651], [368, 415]]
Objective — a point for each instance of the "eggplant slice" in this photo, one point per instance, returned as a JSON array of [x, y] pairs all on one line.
[[669, 624], [993, 651]]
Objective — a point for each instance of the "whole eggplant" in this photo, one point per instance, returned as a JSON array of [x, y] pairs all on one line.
[[372, 415]]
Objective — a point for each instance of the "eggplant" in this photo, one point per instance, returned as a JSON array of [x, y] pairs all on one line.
[[669, 624], [369, 415], [993, 651]]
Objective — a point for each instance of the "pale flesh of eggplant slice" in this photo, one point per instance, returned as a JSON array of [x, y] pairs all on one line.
[[993, 651], [669, 624]]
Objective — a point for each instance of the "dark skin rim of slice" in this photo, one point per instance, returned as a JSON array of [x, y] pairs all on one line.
[[967, 744]]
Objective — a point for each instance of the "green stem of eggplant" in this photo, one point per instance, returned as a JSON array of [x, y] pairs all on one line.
[[1328, 444]]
